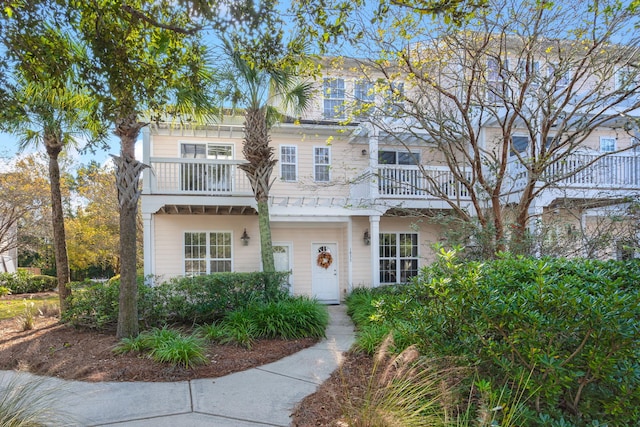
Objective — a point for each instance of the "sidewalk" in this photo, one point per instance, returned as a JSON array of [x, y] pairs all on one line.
[[263, 396]]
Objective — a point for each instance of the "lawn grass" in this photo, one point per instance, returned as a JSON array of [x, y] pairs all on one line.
[[10, 308]]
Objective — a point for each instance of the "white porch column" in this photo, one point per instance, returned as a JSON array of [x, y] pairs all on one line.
[[146, 158], [350, 255], [373, 164], [148, 247], [374, 227]]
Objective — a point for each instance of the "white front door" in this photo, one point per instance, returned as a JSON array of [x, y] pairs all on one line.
[[324, 271]]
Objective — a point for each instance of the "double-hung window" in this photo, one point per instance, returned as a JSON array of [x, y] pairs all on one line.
[[334, 98], [289, 163], [495, 86], [394, 102], [206, 252], [398, 257], [364, 95], [321, 164]]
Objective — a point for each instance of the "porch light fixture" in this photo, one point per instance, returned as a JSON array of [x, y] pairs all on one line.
[[366, 238], [245, 238]]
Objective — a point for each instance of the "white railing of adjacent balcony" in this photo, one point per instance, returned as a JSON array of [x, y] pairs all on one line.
[[399, 181], [617, 171], [198, 177]]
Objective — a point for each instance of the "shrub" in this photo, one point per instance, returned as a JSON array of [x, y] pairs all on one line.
[[4, 291], [92, 305], [185, 300], [289, 318], [24, 282], [208, 298], [571, 324], [166, 346]]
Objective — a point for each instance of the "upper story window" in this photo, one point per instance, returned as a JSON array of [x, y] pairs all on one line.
[[558, 77], [398, 158], [364, 94], [193, 151], [334, 98], [607, 144], [206, 151], [321, 164], [289, 162], [627, 78], [528, 72], [394, 99], [519, 144], [495, 86]]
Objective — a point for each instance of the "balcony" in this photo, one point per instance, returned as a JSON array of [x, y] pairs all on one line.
[[170, 176], [614, 172], [410, 182]]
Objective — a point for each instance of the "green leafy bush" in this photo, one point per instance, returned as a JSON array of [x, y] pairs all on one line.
[[4, 291], [208, 298], [572, 325], [92, 305], [23, 282], [190, 300]]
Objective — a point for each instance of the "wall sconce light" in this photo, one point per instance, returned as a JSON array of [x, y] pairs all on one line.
[[366, 238], [245, 238], [364, 152]]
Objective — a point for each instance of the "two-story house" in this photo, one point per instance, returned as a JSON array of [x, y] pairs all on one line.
[[350, 202]]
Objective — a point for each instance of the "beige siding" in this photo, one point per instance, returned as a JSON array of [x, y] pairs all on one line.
[[169, 240]]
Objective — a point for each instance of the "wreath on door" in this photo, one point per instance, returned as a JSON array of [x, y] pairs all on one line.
[[324, 259]]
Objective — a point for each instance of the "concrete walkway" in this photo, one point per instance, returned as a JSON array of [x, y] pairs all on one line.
[[263, 396]]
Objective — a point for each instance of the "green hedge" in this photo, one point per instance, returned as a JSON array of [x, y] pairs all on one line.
[[24, 282], [572, 325], [188, 300]]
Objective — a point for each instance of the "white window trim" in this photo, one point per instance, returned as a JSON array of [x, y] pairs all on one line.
[[280, 147], [336, 115], [397, 258], [609, 138], [206, 145], [321, 164], [208, 257]]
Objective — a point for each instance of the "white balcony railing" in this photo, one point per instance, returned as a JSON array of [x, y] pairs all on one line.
[[398, 181], [618, 171], [198, 177]]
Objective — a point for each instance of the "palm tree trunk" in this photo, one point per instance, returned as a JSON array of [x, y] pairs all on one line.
[[259, 154], [54, 147], [128, 171], [266, 244]]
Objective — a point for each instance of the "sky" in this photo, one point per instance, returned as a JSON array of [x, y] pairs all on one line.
[[9, 152]]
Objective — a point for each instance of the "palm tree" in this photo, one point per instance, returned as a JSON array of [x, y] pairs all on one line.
[[46, 107], [54, 117], [260, 85]]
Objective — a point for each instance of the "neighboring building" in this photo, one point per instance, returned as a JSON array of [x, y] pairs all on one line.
[[8, 257], [348, 204]]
